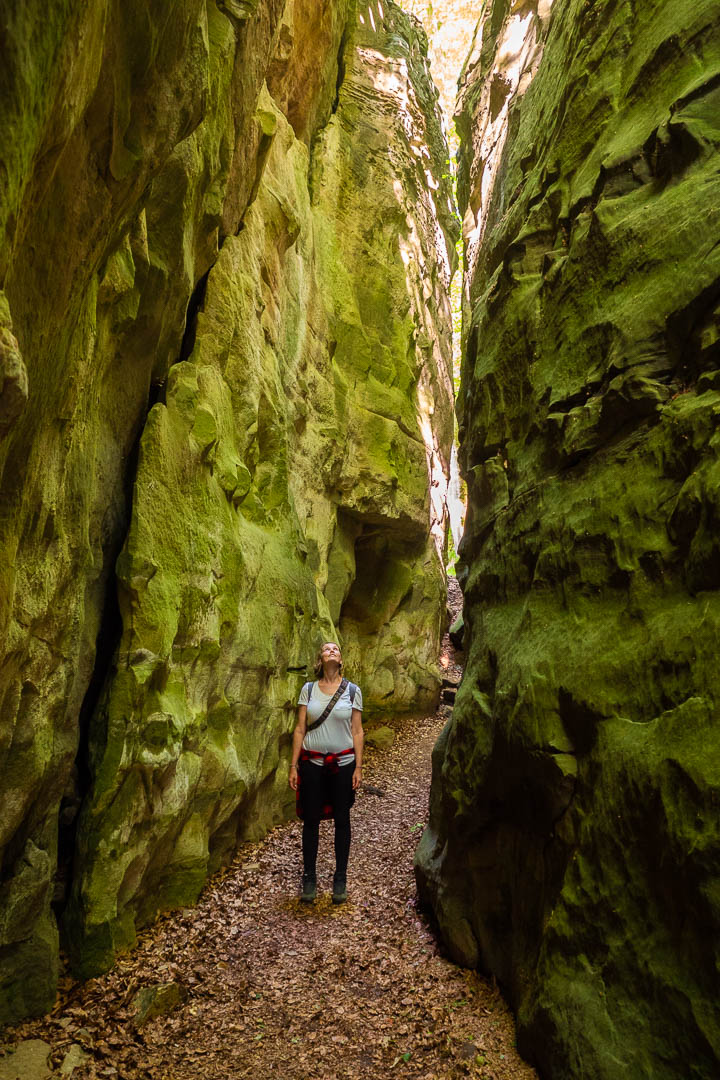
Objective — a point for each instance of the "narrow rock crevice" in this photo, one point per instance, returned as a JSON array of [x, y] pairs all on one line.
[[106, 645], [266, 141], [80, 781], [195, 303], [341, 67], [318, 135]]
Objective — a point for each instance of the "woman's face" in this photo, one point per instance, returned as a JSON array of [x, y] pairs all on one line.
[[330, 653]]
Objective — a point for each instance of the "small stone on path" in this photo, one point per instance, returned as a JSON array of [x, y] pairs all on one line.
[[74, 1058], [28, 1061], [381, 738], [153, 1001]]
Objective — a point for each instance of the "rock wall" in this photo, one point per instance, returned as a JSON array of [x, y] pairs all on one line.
[[574, 847], [225, 401]]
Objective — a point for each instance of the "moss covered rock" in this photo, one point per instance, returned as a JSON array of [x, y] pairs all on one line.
[[380, 737], [158, 1000], [85, 329], [224, 398], [281, 499], [574, 847]]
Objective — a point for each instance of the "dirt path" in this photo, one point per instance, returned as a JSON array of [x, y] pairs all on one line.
[[280, 989]]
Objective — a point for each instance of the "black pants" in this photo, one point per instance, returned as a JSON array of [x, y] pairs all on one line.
[[321, 787]]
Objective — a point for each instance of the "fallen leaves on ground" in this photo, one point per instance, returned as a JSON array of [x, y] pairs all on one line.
[[276, 988]]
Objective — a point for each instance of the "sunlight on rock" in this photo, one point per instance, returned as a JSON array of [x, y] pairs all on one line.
[[490, 93]]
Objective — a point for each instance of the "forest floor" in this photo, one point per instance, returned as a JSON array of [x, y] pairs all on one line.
[[267, 987]]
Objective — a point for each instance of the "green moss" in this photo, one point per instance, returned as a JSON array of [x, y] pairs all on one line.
[[571, 848], [270, 317]]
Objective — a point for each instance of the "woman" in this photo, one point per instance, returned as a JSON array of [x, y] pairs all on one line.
[[327, 765]]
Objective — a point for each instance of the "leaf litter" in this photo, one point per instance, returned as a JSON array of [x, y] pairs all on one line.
[[270, 987]]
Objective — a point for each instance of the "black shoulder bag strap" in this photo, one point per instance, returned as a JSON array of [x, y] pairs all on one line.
[[330, 706]]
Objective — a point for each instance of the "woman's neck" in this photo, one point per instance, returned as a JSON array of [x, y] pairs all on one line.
[[331, 674]]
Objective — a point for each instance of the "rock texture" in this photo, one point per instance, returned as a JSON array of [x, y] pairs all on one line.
[[574, 845], [224, 341]]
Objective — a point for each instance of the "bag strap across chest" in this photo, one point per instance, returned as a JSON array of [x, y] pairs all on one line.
[[331, 703]]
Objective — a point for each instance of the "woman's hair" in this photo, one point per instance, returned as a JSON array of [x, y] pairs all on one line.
[[318, 667]]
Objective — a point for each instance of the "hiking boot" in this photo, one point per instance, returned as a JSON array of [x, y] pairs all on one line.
[[309, 889], [339, 893]]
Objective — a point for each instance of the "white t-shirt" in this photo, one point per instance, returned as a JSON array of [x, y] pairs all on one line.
[[335, 733]]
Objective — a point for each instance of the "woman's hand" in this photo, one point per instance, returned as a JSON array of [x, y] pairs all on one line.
[[357, 778], [298, 736]]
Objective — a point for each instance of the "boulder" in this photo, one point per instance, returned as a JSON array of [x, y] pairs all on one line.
[[380, 738]]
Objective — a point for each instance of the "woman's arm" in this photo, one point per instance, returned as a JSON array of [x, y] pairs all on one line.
[[298, 736], [358, 738]]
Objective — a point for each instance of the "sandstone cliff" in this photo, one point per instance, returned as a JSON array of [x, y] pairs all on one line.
[[227, 236], [574, 845]]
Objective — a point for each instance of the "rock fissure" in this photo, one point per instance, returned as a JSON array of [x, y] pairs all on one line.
[[340, 71], [264, 145], [195, 303]]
